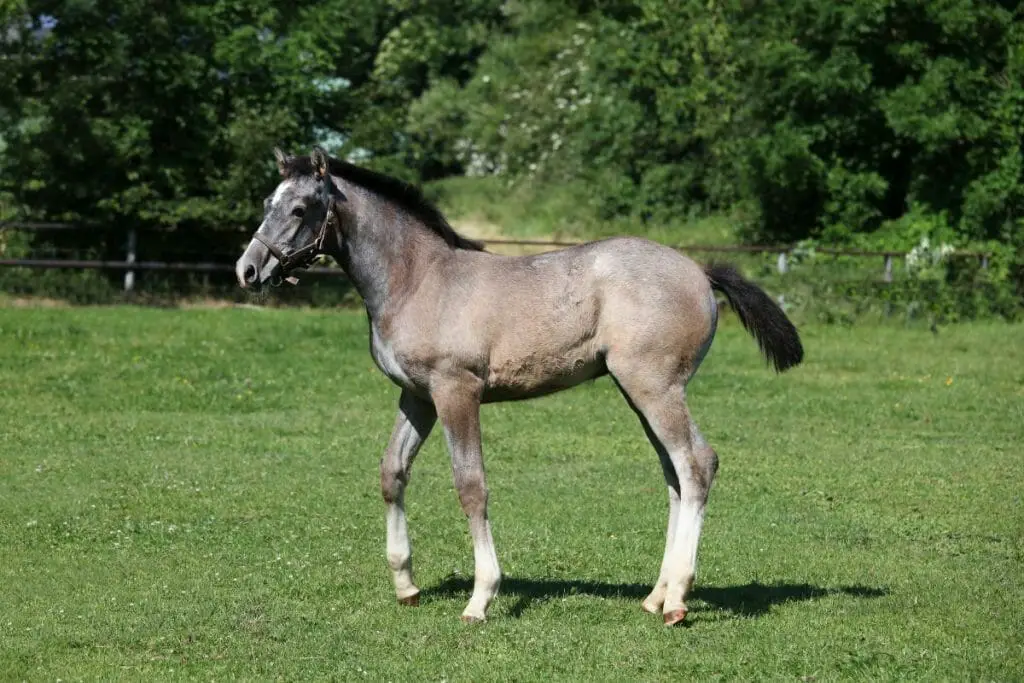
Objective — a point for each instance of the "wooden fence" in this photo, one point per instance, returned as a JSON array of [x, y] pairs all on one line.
[[130, 264]]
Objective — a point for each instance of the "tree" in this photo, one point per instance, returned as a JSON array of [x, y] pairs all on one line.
[[828, 120], [125, 114], [860, 111]]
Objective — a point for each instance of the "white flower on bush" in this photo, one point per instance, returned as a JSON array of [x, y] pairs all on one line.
[[924, 259]]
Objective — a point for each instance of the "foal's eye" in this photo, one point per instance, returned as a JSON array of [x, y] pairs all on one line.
[[299, 212]]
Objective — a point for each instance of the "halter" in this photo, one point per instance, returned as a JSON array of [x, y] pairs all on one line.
[[304, 256]]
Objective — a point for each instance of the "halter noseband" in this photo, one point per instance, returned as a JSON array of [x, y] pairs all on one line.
[[304, 256]]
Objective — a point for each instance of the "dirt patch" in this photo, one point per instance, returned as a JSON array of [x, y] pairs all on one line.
[[197, 302], [209, 302], [478, 228], [32, 302], [482, 229]]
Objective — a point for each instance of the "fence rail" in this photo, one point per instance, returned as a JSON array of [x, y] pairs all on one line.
[[181, 267], [130, 265]]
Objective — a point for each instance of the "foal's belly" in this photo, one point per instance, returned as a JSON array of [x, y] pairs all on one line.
[[520, 379]]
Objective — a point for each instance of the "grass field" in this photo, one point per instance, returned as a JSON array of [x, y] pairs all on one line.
[[488, 207], [193, 494]]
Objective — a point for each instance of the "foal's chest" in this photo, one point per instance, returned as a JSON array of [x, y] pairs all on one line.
[[384, 355]]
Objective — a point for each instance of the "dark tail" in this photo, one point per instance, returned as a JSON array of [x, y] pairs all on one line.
[[761, 316]]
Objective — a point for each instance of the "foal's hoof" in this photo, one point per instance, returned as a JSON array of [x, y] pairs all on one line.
[[410, 600], [470, 619], [650, 607], [674, 617]]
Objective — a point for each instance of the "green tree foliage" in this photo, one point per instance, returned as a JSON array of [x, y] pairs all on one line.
[[126, 111], [429, 44], [874, 122], [862, 110], [827, 119]]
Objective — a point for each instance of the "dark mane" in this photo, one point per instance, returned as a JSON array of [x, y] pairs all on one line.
[[406, 195]]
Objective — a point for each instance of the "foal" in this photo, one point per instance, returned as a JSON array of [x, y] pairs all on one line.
[[455, 327]]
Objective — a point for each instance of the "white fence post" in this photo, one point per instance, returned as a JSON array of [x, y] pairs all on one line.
[[129, 275], [888, 268], [782, 265]]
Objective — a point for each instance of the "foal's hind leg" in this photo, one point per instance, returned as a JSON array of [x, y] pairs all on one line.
[[412, 426], [696, 470], [656, 599], [689, 466]]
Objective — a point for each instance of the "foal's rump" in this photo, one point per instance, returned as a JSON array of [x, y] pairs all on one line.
[[658, 312], [666, 299]]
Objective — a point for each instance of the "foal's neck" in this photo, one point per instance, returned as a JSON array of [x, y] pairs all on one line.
[[385, 251]]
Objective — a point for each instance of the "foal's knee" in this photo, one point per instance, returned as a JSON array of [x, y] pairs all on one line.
[[392, 483]]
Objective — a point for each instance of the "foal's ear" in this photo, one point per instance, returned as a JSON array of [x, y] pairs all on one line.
[[320, 162], [282, 162]]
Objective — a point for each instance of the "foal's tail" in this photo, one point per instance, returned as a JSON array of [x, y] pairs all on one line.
[[761, 316]]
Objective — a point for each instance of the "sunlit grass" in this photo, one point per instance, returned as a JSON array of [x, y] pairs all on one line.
[[491, 208], [194, 494]]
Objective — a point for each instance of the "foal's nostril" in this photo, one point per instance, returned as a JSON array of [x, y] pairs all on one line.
[[250, 274]]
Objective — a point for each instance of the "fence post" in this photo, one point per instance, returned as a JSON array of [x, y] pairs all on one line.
[[782, 265], [129, 275], [888, 268], [984, 261]]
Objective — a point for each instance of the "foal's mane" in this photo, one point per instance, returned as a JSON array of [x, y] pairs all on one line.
[[404, 194]]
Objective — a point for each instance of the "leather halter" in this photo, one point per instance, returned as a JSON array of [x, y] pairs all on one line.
[[304, 256]]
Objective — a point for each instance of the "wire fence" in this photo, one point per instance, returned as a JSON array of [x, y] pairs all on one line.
[[130, 263]]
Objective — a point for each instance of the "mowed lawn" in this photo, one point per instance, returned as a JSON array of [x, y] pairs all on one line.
[[193, 494]]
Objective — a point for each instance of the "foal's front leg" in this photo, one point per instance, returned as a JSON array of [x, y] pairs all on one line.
[[458, 407], [415, 419]]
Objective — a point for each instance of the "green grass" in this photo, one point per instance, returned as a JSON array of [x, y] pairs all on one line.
[[489, 207], [193, 494]]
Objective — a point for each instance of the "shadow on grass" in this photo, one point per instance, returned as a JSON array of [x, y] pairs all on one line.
[[747, 600]]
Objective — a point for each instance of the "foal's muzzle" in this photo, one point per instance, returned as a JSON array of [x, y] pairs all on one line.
[[249, 275], [256, 267]]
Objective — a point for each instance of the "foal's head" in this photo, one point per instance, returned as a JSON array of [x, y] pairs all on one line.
[[297, 218]]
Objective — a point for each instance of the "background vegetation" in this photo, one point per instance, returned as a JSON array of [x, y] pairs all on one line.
[[868, 123]]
